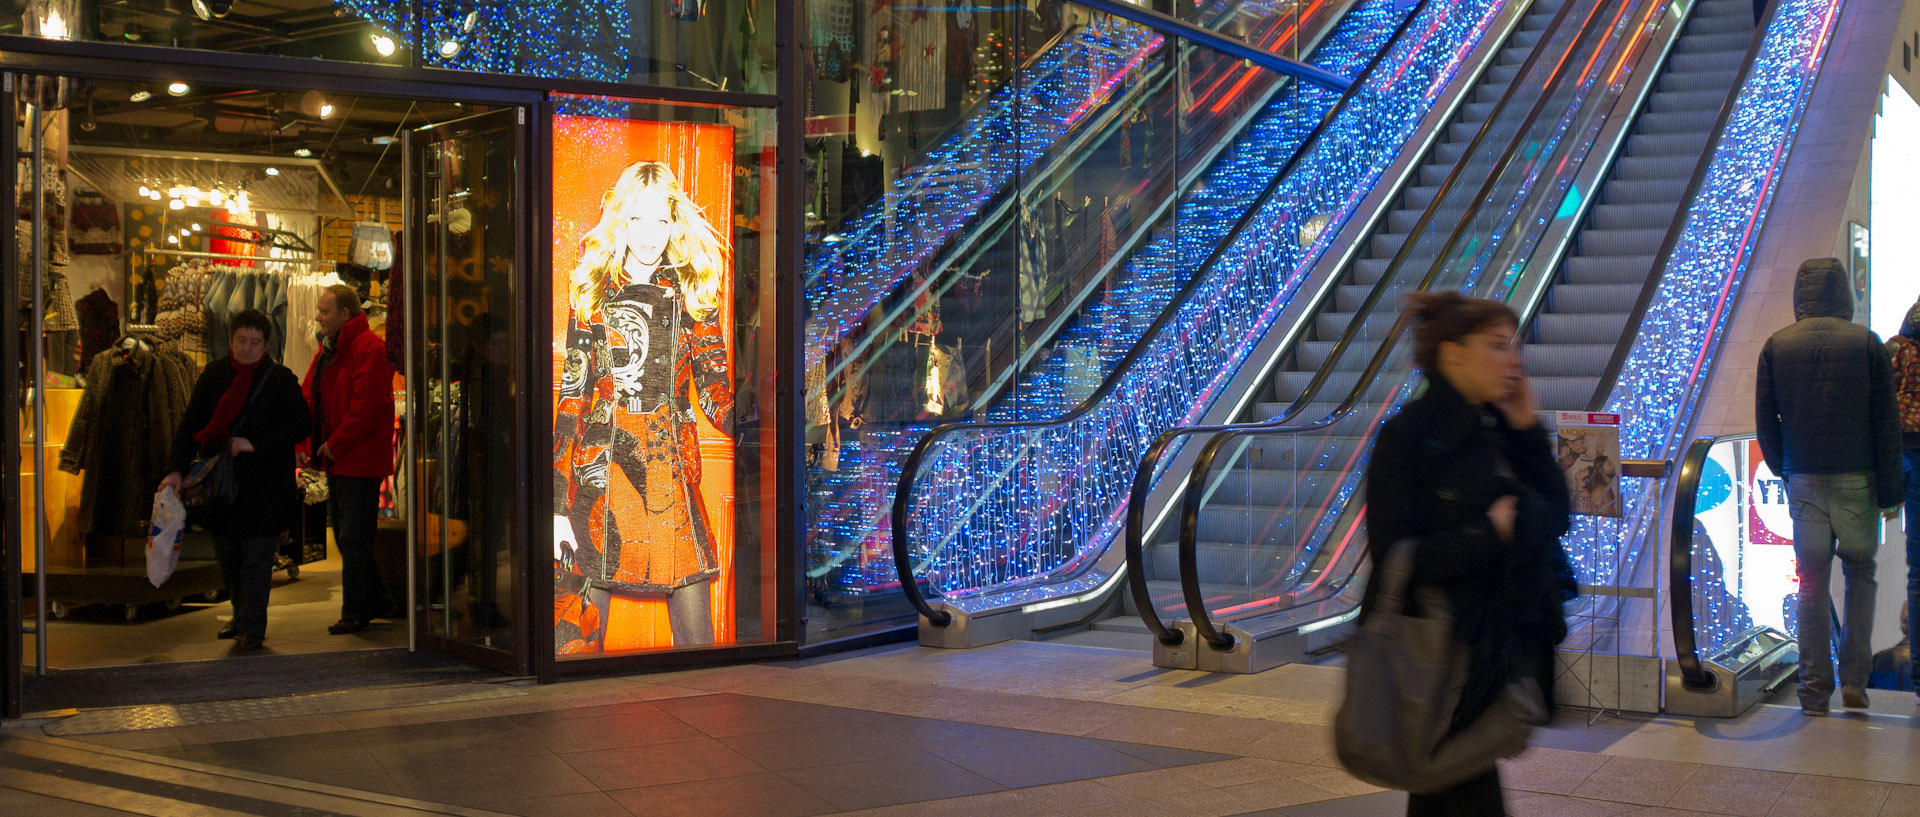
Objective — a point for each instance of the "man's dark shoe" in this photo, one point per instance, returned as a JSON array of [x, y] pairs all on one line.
[[346, 625], [251, 642], [1853, 697], [227, 632]]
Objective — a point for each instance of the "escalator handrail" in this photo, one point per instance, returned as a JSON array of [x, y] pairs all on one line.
[[982, 401], [901, 558], [1143, 475], [1176, 27], [1680, 561], [1624, 346]]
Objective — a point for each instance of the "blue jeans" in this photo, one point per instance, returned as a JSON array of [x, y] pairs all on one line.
[[1911, 458], [1834, 515]]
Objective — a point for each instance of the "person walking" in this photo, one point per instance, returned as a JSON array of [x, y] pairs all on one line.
[[1827, 419], [1903, 350], [1465, 475], [349, 386], [249, 406]]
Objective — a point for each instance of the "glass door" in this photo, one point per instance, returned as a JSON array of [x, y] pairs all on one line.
[[463, 321]]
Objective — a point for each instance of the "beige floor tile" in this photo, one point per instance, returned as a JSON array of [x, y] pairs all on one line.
[[1123, 808], [1723, 790], [1525, 804], [1202, 803], [1150, 784], [139, 741], [1074, 794], [1633, 780], [1338, 782], [289, 727], [1902, 801], [1246, 770], [1831, 797], [1551, 771], [1294, 743], [1278, 793], [215, 733]]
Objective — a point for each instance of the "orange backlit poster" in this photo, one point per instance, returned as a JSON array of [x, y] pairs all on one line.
[[643, 362]]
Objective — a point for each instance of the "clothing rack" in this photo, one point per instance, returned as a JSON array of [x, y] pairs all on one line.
[[264, 236], [304, 262]]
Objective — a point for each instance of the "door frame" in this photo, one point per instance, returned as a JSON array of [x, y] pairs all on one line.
[[517, 660]]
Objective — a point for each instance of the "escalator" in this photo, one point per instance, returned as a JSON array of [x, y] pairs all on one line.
[[1271, 537], [1009, 516], [1239, 127]]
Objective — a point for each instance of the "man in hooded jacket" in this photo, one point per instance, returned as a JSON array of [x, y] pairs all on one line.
[[1827, 420]]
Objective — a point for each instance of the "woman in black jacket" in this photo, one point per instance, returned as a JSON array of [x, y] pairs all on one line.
[[1465, 474], [252, 407]]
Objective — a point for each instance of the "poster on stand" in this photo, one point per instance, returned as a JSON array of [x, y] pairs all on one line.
[[1589, 454], [642, 365]]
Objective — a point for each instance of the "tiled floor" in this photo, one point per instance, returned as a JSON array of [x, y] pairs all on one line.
[[1015, 730]]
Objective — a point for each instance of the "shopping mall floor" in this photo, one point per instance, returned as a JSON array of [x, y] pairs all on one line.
[[1014, 729]]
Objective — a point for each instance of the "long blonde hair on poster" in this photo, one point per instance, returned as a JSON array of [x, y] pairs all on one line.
[[692, 244]]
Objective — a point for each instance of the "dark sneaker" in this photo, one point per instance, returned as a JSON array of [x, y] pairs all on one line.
[[227, 632], [1813, 711], [346, 625], [252, 642], [1853, 697]]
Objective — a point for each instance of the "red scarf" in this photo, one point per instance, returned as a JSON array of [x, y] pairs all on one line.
[[219, 428]]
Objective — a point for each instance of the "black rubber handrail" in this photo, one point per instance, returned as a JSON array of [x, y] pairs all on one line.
[[1686, 648], [1624, 346], [905, 287], [1194, 496], [902, 559], [1143, 475]]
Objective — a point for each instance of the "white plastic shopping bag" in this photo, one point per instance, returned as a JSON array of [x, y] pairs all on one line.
[[163, 537]]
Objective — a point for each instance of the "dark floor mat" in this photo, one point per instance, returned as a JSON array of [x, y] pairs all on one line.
[[253, 677]]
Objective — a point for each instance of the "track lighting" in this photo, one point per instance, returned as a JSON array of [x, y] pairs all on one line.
[[178, 88]]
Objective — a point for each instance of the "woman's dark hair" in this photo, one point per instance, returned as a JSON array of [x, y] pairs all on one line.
[[250, 319], [1443, 317]]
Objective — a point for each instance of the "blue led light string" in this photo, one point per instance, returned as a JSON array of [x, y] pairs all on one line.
[[995, 509], [850, 504], [1662, 380]]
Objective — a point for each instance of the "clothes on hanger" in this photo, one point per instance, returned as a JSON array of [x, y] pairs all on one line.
[[303, 299], [118, 441]]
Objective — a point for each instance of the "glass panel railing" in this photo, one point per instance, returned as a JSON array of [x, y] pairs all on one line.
[[1662, 375], [1287, 517], [993, 513], [1187, 136]]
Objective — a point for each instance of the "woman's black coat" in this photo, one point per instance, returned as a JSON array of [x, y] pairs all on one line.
[[1436, 469], [275, 423]]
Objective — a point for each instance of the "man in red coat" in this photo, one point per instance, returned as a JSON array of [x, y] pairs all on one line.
[[349, 387]]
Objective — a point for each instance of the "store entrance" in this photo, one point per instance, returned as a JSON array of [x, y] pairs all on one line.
[[380, 240]]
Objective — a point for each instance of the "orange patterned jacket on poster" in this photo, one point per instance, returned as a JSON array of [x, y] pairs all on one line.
[[626, 455]]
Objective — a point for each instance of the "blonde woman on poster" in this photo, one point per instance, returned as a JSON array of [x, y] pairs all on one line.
[[644, 343]]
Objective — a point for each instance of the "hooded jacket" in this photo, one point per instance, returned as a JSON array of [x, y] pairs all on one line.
[[353, 409], [1904, 350], [1436, 468], [1824, 399]]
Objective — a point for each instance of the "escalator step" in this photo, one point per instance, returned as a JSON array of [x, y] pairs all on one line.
[[1647, 216], [1578, 298], [1688, 144], [1607, 269], [1644, 191], [1644, 241]]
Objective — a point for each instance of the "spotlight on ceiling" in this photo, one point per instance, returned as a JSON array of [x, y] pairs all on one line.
[[178, 88], [273, 171], [472, 19], [315, 105], [382, 44], [176, 204], [449, 48], [382, 139], [140, 95], [302, 152], [202, 10]]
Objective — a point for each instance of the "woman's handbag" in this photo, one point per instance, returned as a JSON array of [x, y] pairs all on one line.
[[1405, 675], [208, 484]]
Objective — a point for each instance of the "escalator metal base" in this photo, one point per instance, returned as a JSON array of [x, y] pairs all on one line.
[[968, 630], [1262, 651], [1184, 656], [1740, 681]]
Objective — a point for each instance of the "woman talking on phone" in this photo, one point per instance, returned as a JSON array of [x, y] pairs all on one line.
[[1465, 475]]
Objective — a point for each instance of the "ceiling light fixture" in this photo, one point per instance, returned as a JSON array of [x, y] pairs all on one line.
[[326, 111], [273, 171], [302, 152], [178, 88], [449, 48], [173, 239], [202, 10], [140, 95], [144, 190], [472, 19], [382, 44], [176, 204], [196, 227]]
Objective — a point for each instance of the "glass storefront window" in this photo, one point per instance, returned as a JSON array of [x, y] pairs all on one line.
[[663, 435], [716, 45]]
